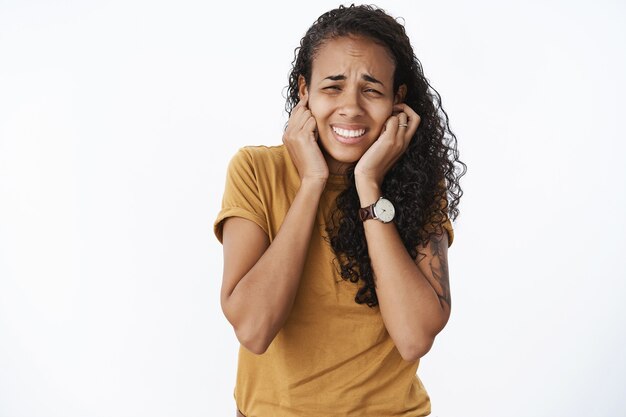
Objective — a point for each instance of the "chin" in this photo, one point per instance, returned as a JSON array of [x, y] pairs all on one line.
[[342, 154]]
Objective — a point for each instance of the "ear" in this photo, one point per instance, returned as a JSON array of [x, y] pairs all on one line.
[[302, 88], [400, 94]]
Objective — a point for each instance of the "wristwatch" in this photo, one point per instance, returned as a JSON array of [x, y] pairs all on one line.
[[381, 210]]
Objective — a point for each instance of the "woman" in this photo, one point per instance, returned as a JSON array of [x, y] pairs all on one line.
[[335, 257]]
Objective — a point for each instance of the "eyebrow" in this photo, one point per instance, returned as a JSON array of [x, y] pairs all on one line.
[[366, 77]]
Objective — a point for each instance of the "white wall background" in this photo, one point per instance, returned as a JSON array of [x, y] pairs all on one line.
[[117, 120]]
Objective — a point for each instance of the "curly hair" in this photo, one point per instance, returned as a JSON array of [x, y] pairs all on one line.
[[423, 177]]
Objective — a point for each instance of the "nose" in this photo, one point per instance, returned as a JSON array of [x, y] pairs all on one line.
[[351, 103]]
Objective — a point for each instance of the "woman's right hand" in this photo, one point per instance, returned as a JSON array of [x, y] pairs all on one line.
[[300, 138]]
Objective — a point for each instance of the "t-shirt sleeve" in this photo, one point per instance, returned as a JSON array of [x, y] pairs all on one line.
[[448, 226], [241, 194]]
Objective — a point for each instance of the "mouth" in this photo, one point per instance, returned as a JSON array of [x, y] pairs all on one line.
[[348, 136]]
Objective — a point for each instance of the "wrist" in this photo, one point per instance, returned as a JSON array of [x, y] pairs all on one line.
[[313, 184], [369, 192], [383, 210]]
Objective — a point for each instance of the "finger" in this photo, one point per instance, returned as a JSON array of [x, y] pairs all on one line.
[[403, 120], [297, 111], [405, 108], [413, 123], [391, 128], [301, 119], [302, 102], [412, 116], [299, 116], [299, 107], [404, 131], [311, 126], [401, 107]]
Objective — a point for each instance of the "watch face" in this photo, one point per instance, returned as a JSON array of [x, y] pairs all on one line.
[[384, 210]]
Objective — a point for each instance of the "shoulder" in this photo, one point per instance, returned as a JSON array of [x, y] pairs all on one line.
[[261, 153], [262, 162]]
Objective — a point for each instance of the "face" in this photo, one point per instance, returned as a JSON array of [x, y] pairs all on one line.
[[350, 96]]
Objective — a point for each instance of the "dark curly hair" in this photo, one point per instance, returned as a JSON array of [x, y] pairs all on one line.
[[425, 175]]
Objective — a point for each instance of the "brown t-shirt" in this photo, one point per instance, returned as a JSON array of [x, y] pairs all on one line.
[[333, 357]]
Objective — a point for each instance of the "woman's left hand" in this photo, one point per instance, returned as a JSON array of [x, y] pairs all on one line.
[[387, 149]]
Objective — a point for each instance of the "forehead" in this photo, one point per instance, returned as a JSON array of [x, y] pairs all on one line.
[[352, 54]]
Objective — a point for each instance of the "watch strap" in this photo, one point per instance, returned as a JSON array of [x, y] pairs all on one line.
[[366, 213]]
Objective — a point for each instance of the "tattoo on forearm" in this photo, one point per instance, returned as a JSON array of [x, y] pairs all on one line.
[[439, 268]]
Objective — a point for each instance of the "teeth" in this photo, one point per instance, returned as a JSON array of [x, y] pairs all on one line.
[[348, 133]]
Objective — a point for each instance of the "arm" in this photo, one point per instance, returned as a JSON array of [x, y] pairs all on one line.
[[414, 297], [260, 279]]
